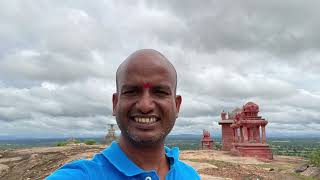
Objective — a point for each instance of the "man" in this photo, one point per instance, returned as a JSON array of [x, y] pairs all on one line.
[[146, 107]]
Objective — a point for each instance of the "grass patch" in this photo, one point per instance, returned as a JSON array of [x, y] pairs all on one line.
[[90, 142], [62, 143]]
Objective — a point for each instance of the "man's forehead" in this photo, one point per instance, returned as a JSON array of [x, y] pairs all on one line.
[[146, 72], [146, 63], [146, 85], [145, 58]]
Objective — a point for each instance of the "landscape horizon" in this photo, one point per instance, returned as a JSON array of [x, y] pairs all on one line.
[[182, 135], [280, 145]]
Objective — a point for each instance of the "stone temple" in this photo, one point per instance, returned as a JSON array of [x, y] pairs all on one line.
[[206, 141], [244, 132], [111, 136]]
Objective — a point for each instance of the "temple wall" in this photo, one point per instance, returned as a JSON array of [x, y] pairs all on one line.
[[227, 137]]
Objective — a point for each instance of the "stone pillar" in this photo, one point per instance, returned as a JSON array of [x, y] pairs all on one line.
[[234, 135], [227, 136], [251, 135], [264, 139], [241, 134], [258, 135], [245, 134], [254, 134]]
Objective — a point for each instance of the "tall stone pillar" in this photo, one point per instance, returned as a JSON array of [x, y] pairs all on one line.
[[258, 134], [264, 139], [236, 135], [245, 134], [254, 134], [241, 134], [227, 134], [251, 135]]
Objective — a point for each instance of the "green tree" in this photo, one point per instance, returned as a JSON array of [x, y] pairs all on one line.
[[315, 157]]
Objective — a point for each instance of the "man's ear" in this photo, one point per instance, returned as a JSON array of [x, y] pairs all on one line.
[[178, 103], [114, 103]]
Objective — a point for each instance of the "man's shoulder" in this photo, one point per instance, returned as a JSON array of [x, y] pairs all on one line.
[[186, 170], [183, 170], [79, 169]]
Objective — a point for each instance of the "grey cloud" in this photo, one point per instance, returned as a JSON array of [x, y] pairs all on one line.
[[276, 27], [77, 100], [218, 82], [58, 61], [35, 66], [11, 114]]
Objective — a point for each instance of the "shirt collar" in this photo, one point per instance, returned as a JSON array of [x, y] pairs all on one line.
[[120, 160], [172, 154]]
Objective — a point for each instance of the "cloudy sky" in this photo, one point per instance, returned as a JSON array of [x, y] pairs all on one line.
[[58, 61]]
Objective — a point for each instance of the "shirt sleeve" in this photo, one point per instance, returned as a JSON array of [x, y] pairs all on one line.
[[72, 171]]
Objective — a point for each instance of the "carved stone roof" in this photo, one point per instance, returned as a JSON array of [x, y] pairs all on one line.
[[251, 107]]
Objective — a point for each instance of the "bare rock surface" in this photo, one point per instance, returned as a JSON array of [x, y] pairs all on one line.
[[301, 168], [3, 169], [312, 172], [37, 163]]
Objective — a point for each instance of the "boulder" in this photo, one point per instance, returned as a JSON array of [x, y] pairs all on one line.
[[312, 172], [301, 168]]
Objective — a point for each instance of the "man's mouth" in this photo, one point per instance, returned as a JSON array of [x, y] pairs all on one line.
[[145, 120]]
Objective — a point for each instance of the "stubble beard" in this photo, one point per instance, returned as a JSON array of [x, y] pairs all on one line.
[[139, 141]]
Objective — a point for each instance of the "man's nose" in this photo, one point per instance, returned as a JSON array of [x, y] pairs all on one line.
[[145, 103]]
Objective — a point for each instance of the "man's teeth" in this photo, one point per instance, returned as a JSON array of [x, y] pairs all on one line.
[[145, 120]]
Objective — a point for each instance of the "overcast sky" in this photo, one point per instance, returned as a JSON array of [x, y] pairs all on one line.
[[58, 61]]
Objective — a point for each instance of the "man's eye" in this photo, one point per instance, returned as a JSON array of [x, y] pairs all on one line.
[[161, 92], [128, 92]]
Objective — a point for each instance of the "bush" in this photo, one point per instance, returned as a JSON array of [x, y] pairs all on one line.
[[90, 142], [217, 146], [314, 157], [63, 143]]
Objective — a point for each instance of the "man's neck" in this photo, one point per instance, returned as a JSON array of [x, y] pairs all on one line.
[[151, 157]]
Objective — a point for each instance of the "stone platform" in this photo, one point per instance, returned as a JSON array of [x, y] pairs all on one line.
[[258, 150]]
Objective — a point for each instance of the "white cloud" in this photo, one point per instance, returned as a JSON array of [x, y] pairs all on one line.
[[58, 61]]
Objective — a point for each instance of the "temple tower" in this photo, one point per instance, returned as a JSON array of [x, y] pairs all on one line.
[[206, 141], [249, 133], [227, 132], [111, 136]]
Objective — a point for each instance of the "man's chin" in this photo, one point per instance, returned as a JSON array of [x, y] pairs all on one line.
[[146, 141]]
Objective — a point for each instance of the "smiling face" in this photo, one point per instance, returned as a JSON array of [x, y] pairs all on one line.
[[145, 104]]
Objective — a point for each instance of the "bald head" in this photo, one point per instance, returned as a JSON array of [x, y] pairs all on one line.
[[145, 59]]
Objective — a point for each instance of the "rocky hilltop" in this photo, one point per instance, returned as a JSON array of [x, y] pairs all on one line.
[[37, 163]]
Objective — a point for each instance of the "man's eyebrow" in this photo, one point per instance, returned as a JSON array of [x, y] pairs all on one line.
[[128, 86], [165, 87]]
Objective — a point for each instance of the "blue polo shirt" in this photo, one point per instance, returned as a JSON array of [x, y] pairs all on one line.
[[112, 163]]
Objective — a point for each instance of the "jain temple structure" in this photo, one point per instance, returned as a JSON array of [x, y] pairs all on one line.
[[206, 141], [244, 132]]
